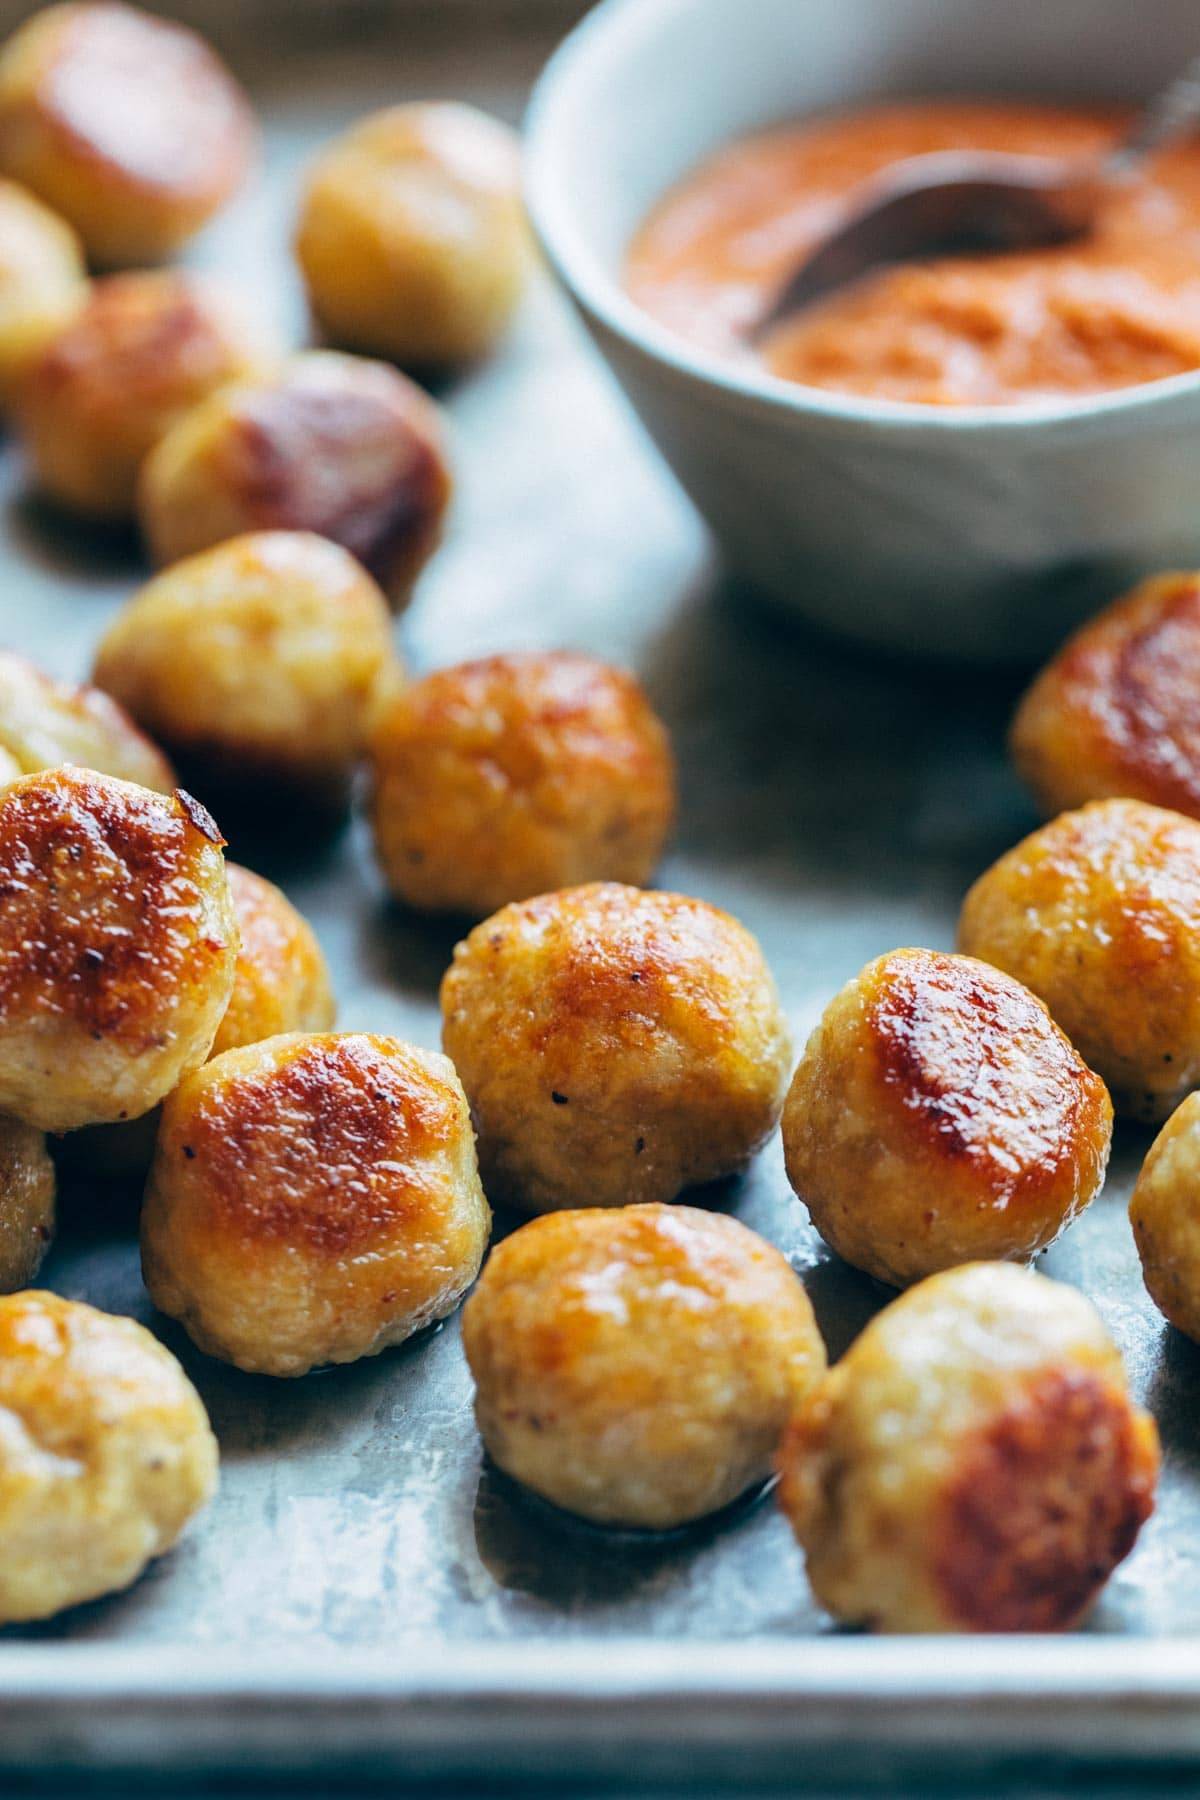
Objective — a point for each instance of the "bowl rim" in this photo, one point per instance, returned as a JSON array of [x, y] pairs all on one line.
[[601, 296]]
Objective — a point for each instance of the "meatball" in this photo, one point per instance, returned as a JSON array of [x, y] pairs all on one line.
[[638, 1366], [313, 1200], [1117, 711], [412, 236], [117, 946], [105, 1453], [331, 444], [27, 1190], [282, 981], [939, 1116], [1099, 913], [41, 281], [974, 1462], [128, 126], [616, 1046], [134, 358], [504, 778], [263, 658], [44, 723], [1165, 1215]]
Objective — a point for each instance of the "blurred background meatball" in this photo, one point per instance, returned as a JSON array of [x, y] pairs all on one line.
[[1099, 913], [973, 1463], [134, 357], [638, 1366], [27, 1192], [1117, 711], [313, 1200], [500, 779], [412, 237], [42, 281], [262, 659], [939, 1116], [616, 1045], [118, 946], [44, 722], [350, 449], [107, 1455], [1165, 1215], [127, 125]]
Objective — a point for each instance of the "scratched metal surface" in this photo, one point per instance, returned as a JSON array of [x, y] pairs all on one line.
[[839, 807]]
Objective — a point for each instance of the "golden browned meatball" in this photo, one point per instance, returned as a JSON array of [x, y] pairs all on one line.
[[332, 444], [974, 1462], [1099, 913], [117, 946], [505, 778], [1117, 711], [42, 281], [264, 658], [128, 126], [134, 358], [412, 236], [282, 981], [44, 723], [615, 1045], [939, 1116], [105, 1453], [313, 1200], [638, 1366], [27, 1189], [1165, 1215]]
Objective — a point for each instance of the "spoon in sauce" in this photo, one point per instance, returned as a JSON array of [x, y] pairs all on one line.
[[960, 201]]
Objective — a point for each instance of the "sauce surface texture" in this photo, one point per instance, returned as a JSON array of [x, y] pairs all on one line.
[[1117, 308]]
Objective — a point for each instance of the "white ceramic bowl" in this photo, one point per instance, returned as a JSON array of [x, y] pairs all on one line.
[[974, 532]]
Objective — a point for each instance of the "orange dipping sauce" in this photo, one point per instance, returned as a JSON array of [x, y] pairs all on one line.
[[1108, 311]]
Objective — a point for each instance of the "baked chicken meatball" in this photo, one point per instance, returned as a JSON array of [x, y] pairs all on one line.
[[44, 722], [264, 658], [1165, 1214], [1117, 711], [1099, 914], [27, 1191], [128, 126], [105, 1454], [349, 449], [505, 778], [136, 356], [412, 237], [939, 1116], [282, 980], [974, 1462], [42, 281], [638, 1366], [117, 946], [312, 1200], [616, 1045]]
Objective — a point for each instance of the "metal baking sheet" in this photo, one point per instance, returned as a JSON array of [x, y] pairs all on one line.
[[366, 1590]]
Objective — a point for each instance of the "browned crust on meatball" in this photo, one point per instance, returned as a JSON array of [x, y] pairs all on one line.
[[1043, 1503], [320, 1154], [978, 1071], [358, 459], [86, 93], [1117, 711], [80, 858]]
